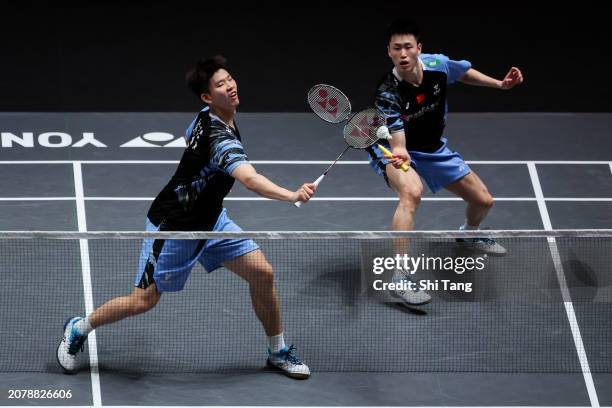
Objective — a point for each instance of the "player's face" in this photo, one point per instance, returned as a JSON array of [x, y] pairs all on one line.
[[404, 51], [222, 91]]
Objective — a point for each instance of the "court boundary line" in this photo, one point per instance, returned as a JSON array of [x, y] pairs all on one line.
[[346, 162], [87, 285], [374, 199], [567, 299]]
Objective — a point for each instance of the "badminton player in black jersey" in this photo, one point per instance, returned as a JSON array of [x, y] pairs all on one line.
[[193, 201], [413, 98]]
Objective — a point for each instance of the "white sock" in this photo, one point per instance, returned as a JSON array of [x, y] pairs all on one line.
[[83, 326], [276, 343], [468, 227]]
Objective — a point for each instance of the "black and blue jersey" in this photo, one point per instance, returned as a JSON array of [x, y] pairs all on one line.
[[193, 199], [420, 111]]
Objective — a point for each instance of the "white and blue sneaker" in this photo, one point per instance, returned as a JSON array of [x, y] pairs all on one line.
[[484, 245], [288, 362], [72, 342], [411, 297]]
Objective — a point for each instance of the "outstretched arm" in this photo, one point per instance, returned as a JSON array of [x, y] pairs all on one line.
[[513, 78], [260, 185]]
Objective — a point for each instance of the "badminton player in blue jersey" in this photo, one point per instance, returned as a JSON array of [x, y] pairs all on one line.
[[413, 98], [193, 201]]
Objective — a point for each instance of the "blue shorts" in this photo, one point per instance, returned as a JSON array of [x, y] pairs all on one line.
[[169, 262], [438, 169]]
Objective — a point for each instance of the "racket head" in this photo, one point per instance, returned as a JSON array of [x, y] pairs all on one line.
[[360, 131], [329, 103]]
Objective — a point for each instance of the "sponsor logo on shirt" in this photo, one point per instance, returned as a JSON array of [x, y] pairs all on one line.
[[420, 98], [433, 62], [421, 112]]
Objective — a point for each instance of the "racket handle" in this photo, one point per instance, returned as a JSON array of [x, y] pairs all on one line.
[[298, 204], [389, 155]]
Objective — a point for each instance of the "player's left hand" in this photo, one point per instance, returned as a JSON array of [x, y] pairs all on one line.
[[513, 78]]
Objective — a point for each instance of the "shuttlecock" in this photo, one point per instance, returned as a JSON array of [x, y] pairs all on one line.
[[383, 133]]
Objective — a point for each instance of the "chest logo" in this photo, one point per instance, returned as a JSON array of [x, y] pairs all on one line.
[[436, 89], [420, 98]]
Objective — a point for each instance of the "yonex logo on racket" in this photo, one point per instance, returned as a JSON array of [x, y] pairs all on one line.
[[365, 125], [330, 104]]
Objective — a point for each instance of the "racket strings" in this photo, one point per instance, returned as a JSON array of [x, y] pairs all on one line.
[[329, 103], [361, 130]]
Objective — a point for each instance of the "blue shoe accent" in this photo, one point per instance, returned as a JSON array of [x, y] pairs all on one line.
[[287, 361], [76, 340], [286, 354]]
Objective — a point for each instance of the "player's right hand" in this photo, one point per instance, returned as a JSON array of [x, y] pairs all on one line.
[[305, 192], [400, 156]]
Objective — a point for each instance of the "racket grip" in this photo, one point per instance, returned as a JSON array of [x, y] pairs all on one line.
[[388, 154], [298, 204]]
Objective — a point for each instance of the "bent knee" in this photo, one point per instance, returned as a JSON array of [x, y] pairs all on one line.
[[144, 300], [410, 196], [485, 200]]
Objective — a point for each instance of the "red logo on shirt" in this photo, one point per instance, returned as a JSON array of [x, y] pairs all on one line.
[[420, 98]]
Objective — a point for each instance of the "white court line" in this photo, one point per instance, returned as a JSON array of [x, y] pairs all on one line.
[[94, 198], [37, 198], [611, 167], [519, 199], [567, 299], [88, 293], [577, 199], [295, 162], [314, 199]]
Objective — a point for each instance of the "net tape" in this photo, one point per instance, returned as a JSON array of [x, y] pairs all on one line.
[[487, 233]]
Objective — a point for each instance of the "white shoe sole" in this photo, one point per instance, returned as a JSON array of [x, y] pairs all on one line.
[[297, 376]]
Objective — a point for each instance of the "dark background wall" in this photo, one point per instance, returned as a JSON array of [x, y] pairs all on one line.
[[119, 58]]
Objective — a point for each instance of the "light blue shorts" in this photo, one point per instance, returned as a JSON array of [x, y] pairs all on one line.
[[168, 263], [438, 169]]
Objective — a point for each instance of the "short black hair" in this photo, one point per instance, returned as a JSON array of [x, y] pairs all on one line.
[[198, 77], [403, 26]]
